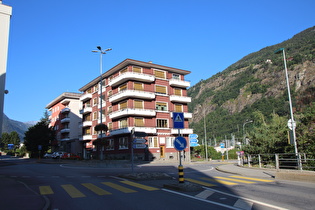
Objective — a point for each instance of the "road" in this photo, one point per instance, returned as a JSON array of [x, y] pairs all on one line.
[[64, 185]]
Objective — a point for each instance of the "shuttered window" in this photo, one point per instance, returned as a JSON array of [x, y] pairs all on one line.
[[178, 108], [138, 104], [160, 89], [110, 109], [123, 123], [136, 69], [123, 105], [159, 74], [123, 87], [138, 86], [110, 126], [139, 122], [124, 70], [177, 91]]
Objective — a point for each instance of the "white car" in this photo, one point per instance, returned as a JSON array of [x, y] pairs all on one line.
[[48, 155], [57, 155]]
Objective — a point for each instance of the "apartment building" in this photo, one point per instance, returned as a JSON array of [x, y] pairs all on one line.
[[65, 119], [136, 97]]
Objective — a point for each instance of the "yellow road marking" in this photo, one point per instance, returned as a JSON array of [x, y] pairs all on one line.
[[95, 189], [255, 179], [235, 180], [220, 181], [72, 191], [45, 190], [200, 182], [145, 187], [119, 187]]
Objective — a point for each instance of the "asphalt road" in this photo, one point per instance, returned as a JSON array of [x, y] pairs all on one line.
[[66, 185]]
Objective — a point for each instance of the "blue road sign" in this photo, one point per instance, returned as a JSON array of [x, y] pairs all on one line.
[[178, 120], [194, 144], [193, 141], [222, 145], [193, 136], [180, 143]]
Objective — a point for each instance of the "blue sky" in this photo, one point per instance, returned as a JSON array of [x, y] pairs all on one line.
[[51, 40]]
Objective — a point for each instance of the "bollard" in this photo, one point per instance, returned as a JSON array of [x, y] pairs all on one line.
[[181, 174]]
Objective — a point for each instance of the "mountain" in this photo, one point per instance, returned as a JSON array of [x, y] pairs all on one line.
[[11, 125], [257, 82]]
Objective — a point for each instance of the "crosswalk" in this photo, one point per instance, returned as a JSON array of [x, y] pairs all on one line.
[[126, 186]]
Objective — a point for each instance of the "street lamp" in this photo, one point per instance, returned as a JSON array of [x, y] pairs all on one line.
[[247, 121], [99, 50], [291, 110]]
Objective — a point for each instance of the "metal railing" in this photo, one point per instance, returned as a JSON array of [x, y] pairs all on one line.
[[279, 161]]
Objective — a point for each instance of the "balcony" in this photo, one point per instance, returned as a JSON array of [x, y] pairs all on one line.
[[182, 131], [128, 130], [131, 76], [65, 110], [131, 93], [65, 139], [65, 120], [180, 99], [87, 124], [179, 83], [86, 110], [186, 115], [65, 130], [86, 97], [86, 137], [132, 112]]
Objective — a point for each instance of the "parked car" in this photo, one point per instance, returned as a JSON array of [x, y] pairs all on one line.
[[57, 155], [70, 156], [48, 155]]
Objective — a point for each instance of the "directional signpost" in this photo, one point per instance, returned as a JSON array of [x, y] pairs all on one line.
[[139, 143], [193, 140]]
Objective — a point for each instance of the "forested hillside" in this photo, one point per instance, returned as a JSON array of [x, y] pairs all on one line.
[[253, 91]]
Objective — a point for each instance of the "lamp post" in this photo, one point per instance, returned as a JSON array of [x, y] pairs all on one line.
[[291, 110], [247, 121], [99, 50]]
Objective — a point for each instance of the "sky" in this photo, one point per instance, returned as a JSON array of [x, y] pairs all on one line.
[[51, 41]]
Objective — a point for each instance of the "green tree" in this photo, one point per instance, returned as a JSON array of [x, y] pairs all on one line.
[[39, 134], [10, 138]]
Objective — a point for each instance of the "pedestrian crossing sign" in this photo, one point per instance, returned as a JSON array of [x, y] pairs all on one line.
[[178, 120]]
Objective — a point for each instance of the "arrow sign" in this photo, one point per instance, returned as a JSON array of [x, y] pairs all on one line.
[[180, 143], [193, 136], [139, 146], [193, 141]]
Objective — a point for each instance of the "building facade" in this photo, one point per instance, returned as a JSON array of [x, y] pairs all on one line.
[[136, 98], [65, 119]]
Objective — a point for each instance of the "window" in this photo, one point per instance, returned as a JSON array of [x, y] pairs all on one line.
[[96, 88], [123, 87], [160, 89], [161, 106], [123, 143], [110, 93], [95, 115], [178, 108], [176, 76], [110, 126], [123, 123], [153, 142], [87, 117], [89, 90], [159, 74], [177, 91], [161, 123], [138, 104], [123, 105], [110, 144], [136, 69], [110, 109], [103, 114], [138, 86], [124, 70], [139, 122], [95, 101], [170, 142]]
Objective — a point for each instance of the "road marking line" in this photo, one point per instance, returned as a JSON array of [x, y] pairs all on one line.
[[45, 190], [95, 189], [243, 204], [145, 187], [255, 179], [200, 182], [72, 191], [236, 180], [204, 194], [119, 187], [220, 181]]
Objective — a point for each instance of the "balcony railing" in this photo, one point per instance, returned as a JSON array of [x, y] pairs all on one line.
[[131, 76], [86, 110], [65, 110], [121, 95], [180, 99], [86, 137], [148, 130], [87, 123], [65, 130], [182, 131], [85, 97], [65, 120], [186, 115], [179, 83], [132, 112]]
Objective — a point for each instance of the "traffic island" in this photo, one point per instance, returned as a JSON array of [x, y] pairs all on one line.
[[305, 176], [185, 187]]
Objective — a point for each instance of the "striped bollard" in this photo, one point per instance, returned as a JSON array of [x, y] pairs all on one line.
[[181, 174]]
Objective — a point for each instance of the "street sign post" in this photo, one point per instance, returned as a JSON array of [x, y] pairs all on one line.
[[193, 141], [180, 143], [178, 120]]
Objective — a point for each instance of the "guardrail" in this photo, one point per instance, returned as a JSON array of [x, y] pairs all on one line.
[[279, 161]]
